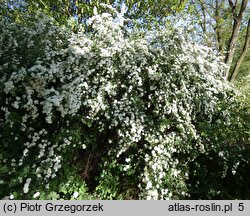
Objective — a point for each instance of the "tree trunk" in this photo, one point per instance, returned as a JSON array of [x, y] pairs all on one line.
[[203, 10], [218, 26], [242, 55], [235, 33]]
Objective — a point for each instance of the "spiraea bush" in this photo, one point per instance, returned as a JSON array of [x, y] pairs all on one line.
[[107, 114]]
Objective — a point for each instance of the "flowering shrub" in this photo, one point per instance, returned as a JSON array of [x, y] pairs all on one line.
[[127, 113]]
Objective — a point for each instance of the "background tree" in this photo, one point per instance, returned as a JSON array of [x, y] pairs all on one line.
[[223, 24], [148, 13], [243, 53]]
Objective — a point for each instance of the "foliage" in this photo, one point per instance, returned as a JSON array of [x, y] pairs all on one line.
[[74, 13], [126, 114], [218, 174]]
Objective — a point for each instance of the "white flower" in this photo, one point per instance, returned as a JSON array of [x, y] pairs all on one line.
[[221, 154], [75, 195], [175, 173], [127, 160], [149, 185], [37, 194], [8, 86], [105, 53], [16, 104], [25, 152], [154, 194], [95, 11], [26, 185]]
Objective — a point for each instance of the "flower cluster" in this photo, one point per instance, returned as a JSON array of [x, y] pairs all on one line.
[[138, 97]]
